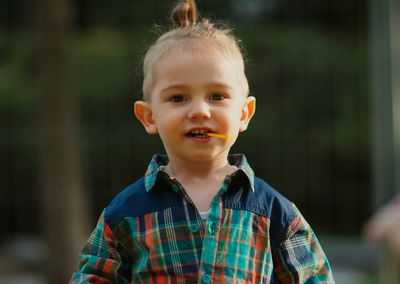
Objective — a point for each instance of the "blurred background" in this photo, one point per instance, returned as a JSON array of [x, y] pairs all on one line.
[[326, 133]]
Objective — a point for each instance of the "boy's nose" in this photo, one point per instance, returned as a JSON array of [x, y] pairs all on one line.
[[199, 111]]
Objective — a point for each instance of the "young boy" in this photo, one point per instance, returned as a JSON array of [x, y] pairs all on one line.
[[199, 214]]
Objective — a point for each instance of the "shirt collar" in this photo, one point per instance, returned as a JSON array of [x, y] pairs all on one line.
[[156, 165], [159, 161], [240, 161]]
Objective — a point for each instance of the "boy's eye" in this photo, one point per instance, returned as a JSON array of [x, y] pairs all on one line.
[[177, 98], [217, 97]]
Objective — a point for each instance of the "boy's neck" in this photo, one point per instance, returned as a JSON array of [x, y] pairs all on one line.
[[201, 179], [198, 169]]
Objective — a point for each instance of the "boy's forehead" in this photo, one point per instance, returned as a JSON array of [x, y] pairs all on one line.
[[200, 54], [194, 65], [201, 51]]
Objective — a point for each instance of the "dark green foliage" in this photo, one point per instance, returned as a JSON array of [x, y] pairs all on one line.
[[309, 138]]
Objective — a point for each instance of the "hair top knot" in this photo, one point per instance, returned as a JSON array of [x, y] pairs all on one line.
[[184, 14]]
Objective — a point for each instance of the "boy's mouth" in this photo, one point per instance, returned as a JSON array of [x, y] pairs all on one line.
[[199, 133]]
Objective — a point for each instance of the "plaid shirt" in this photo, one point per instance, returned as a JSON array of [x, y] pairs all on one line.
[[152, 233]]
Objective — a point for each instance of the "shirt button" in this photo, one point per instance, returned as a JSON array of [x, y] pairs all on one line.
[[194, 228], [206, 278]]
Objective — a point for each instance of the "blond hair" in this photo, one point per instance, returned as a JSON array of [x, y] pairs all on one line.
[[187, 30]]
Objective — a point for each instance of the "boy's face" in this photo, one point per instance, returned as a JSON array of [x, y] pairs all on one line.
[[196, 90]]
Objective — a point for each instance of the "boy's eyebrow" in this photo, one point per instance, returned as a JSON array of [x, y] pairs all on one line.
[[184, 86], [219, 85], [175, 86]]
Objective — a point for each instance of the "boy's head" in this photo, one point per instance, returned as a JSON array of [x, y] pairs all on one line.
[[189, 32], [194, 84]]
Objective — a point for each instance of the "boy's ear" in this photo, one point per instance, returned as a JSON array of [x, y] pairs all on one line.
[[248, 111], [145, 115]]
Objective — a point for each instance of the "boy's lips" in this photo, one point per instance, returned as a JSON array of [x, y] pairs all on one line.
[[199, 130], [199, 134], [204, 133]]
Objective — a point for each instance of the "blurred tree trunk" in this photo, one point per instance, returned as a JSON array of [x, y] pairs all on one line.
[[65, 206]]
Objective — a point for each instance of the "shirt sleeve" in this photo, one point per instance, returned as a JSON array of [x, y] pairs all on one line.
[[300, 258], [101, 260]]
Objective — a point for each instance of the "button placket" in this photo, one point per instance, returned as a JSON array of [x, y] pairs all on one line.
[[210, 245], [212, 230]]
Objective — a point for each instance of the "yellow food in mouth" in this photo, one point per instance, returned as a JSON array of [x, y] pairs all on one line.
[[204, 133], [217, 135]]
